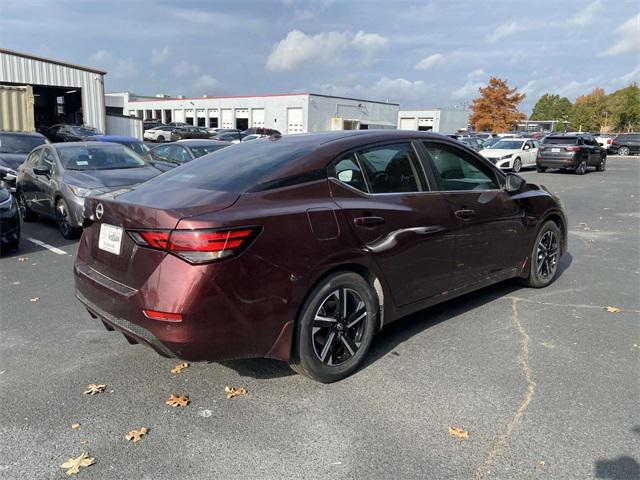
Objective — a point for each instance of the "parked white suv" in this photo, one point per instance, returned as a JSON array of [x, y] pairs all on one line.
[[512, 153]]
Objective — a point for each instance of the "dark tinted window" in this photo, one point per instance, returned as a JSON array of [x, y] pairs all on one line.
[[348, 172], [459, 171], [391, 168], [12, 143], [560, 141], [138, 147], [200, 151], [237, 168]]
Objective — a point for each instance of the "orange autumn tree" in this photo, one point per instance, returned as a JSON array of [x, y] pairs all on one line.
[[496, 109]]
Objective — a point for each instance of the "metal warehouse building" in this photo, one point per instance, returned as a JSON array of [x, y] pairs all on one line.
[[433, 120], [62, 92], [288, 113]]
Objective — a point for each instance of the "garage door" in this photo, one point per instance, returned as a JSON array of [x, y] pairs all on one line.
[[408, 124], [294, 120], [178, 115], [227, 118], [257, 117]]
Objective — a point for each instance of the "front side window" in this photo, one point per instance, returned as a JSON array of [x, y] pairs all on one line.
[[180, 155], [33, 158], [348, 172], [161, 153], [392, 169], [456, 170], [46, 159]]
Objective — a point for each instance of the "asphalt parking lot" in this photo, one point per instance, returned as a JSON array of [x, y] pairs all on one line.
[[546, 382]]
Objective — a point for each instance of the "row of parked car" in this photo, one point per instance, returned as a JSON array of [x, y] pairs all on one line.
[[178, 131]]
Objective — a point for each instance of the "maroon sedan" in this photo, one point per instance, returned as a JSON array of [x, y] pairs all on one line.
[[303, 247]]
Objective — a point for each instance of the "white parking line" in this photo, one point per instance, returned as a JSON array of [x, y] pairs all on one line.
[[51, 248]]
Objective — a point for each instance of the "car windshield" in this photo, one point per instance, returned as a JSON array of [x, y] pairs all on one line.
[[237, 168], [11, 143], [138, 147], [106, 157], [205, 149], [84, 130], [560, 140], [508, 145]]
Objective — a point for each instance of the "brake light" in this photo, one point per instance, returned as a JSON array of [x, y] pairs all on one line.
[[572, 149], [164, 316], [609, 141], [196, 246]]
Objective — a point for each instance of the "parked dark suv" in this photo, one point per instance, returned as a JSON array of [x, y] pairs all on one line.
[[571, 152], [302, 247], [626, 144]]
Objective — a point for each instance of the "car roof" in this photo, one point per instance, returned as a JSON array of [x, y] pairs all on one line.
[[199, 142], [115, 138], [69, 145], [22, 134]]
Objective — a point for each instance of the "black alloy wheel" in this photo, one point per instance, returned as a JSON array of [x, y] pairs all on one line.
[[545, 256], [26, 213]]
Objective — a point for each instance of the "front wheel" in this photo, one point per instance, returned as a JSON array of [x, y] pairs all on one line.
[[602, 166], [540, 169], [67, 230], [160, 139], [517, 165], [335, 328], [545, 256]]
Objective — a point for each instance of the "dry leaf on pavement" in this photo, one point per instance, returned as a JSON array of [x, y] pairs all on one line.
[[73, 464], [460, 434], [612, 309], [179, 368], [136, 435], [235, 391], [34, 299], [94, 388], [178, 400], [75, 426]]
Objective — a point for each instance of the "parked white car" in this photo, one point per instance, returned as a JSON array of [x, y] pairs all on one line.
[[605, 141], [512, 153], [159, 134]]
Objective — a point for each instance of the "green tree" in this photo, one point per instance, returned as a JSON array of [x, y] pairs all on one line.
[[587, 113], [623, 108], [551, 107]]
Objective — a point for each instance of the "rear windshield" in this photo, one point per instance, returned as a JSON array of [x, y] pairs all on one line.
[[237, 168], [11, 143], [99, 158], [560, 140]]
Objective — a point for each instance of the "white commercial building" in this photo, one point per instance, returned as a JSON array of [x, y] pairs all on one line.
[[433, 120], [287, 113], [62, 92]]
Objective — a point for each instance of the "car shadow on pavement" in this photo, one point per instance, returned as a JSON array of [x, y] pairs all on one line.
[[259, 368], [621, 468]]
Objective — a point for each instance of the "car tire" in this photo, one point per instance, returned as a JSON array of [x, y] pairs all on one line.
[[517, 165], [540, 169], [160, 139], [26, 213], [624, 151], [581, 169], [329, 345], [545, 256], [602, 166], [62, 218]]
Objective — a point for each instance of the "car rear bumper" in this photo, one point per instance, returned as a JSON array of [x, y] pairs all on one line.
[[558, 162]]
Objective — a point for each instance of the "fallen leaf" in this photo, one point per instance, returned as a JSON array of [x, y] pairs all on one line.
[[612, 309], [75, 426], [73, 464], [460, 434], [136, 435], [84, 442], [22, 259], [34, 299], [235, 391], [94, 388], [179, 368], [178, 400]]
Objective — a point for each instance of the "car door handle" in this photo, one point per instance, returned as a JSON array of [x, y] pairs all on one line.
[[368, 221], [465, 214]]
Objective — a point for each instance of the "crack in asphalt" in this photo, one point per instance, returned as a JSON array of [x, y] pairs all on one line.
[[568, 305], [523, 360]]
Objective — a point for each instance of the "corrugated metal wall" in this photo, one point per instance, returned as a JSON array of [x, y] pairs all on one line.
[[16, 109], [126, 126], [24, 70]]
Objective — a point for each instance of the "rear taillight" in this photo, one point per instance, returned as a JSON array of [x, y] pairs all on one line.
[[197, 246], [572, 149], [609, 141]]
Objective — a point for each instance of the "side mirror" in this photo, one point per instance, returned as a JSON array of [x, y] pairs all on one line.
[[41, 170], [526, 147], [514, 183]]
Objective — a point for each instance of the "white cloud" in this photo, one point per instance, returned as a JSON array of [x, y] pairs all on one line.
[[204, 84], [504, 30], [186, 69], [629, 33], [586, 16], [117, 68], [529, 88], [430, 62], [468, 90], [159, 55], [477, 74], [633, 75], [327, 48]]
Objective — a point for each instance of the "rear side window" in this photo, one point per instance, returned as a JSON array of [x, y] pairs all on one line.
[[560, 141], [392, 169], [237, 168], [459, 171]]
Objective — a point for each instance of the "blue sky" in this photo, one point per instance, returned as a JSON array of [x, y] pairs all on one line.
[[419, 54]]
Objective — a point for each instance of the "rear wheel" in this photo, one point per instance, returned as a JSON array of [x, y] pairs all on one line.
[[544, 256], [582, 168], [335, 328], [160, 138], [64, 224], [517, 165], [624, 151], [602, 166], [26, 213], [540, 169]]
